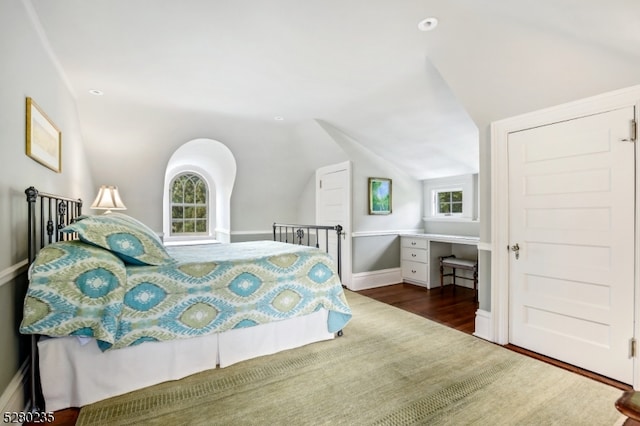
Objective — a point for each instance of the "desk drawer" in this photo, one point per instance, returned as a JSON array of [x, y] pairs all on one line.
[[419, 243], [414, 270], [416, 255]]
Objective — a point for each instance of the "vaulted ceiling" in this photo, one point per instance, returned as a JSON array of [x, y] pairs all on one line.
[[419, 99]]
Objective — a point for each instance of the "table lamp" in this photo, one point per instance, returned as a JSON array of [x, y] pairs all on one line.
[[108, 199]]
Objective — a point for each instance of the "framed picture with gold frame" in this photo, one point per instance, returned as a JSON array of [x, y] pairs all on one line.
[[44, 139], [379, 196]]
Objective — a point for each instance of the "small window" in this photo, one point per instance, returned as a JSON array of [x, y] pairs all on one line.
[[189, 205], [448, 203]]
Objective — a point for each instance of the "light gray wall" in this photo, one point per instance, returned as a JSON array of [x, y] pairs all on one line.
[[275, 161], [322, 144], [471, 229], [27, 70], [373, 253], [377, 252], [269, 177], [484, 198]]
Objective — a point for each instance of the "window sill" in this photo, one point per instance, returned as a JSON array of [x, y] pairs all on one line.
[[450, 219], [193, 242]]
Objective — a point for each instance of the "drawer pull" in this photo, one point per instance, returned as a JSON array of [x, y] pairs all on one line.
[[413, 243], [413, 271], [413, 255]]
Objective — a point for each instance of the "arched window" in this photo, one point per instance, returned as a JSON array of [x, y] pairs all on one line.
[[201, 173], [189, 205]]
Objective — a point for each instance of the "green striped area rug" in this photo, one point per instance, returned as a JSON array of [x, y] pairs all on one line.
[[390, 368]]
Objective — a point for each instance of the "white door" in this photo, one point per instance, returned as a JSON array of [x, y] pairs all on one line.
[[571, 206], [333, 207]]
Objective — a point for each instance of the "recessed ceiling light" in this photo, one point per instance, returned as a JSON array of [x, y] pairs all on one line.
[[96, 92], [428, 24], [278, 118]]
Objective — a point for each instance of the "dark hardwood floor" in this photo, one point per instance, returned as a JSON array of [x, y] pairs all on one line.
[[66, 417], [454, 309]]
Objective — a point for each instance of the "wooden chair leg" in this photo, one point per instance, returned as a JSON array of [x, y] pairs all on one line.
[[475, 284], [454, 279], [441, 278]]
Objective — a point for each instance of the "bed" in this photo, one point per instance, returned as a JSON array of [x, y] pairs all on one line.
[[111, 310]]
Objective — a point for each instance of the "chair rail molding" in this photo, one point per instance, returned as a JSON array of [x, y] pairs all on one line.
[[12, 398], [13, 271]]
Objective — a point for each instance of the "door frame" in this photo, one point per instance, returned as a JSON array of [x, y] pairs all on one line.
[[346, 227], [499, 331]]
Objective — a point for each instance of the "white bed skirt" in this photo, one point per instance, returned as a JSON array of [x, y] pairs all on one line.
[[73, 375]]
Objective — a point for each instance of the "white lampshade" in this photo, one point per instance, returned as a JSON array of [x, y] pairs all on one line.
[[108, 199]]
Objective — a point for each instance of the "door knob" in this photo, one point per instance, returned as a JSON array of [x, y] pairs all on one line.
[[516, 249]]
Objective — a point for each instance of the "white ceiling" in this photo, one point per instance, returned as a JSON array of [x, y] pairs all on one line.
[[415, 98]]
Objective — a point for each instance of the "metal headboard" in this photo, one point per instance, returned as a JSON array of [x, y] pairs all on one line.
[[287, 232], [48, 214], [52, 212]]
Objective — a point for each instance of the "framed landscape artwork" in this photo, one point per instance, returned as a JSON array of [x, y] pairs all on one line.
[[379, 196], [44, 139]]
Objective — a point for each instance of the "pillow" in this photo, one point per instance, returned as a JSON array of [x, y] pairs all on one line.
[[129, 239]]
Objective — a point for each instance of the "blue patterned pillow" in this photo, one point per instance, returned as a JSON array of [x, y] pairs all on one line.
[[75, 289], [126, 237]]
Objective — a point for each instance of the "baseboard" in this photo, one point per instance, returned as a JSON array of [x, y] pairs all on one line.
[[373, 279], [483, 325], [13, 397]]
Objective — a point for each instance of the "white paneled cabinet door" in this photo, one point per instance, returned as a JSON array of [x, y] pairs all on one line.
[[571, 237]]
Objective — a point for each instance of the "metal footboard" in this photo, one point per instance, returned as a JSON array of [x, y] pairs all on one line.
[[310, 235]]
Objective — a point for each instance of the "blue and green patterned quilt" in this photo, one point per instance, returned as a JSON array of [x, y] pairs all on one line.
[[80, 289]]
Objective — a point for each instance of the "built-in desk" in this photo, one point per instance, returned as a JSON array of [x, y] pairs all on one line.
[[420, 252]]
